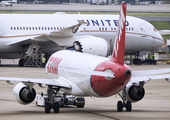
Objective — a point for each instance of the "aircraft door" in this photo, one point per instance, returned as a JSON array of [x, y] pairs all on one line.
[[143, 28], [1, 29]]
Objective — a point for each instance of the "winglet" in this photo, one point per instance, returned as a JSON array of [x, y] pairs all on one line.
[[119, 44]]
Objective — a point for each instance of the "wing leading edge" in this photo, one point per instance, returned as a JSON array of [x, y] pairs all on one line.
[[53, 82]]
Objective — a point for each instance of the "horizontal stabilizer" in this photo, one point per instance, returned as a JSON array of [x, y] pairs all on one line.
[[98, 73]]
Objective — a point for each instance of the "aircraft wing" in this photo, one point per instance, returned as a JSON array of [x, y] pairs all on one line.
[[53, 82], [146, 75], [54, 35]]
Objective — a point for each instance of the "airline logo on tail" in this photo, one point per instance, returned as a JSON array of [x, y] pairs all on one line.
[[119, 45]]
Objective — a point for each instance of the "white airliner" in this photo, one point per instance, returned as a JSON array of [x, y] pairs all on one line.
[[53, 32], [83, 74], [7, 3]]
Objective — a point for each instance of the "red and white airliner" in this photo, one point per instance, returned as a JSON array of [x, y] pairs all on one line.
[[83, 74]]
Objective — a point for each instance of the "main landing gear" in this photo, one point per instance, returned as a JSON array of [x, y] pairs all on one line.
[[49, 101], [121, 105]]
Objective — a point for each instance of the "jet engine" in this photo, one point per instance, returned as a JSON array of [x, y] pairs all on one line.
[[23, 94], [134, 93], [92, 45]]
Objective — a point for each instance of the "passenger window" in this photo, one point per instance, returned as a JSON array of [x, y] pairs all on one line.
[[11, 28], [36, 28], [42, 28], [32, 28], [14, 28], [132, 29], [20, 28], [115, 29], [106, 29], [39, 28], [23, 28], [48, 28], [54, 28], [51, 28], [100, 28]]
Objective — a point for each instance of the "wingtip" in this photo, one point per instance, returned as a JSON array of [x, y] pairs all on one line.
[[81, 22]]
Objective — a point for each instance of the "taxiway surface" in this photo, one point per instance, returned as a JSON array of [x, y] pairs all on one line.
[[155, 105]]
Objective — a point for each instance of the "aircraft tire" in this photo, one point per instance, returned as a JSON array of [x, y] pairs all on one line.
[[47, 107], [119, 106], [21, 62], [56, 107], [80, 106], [128, 106]]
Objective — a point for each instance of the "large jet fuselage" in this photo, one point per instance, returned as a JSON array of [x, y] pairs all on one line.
[[140, 35]]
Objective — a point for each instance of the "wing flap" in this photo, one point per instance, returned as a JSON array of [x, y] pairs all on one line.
[[53, 82]]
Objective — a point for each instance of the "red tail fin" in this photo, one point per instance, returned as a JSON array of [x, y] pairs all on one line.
[[119, 44]]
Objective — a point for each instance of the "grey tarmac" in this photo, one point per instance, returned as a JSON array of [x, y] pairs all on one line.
[[155, 105]]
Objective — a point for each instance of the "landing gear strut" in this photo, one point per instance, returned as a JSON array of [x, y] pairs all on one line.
[[49, 101], [121, 105]]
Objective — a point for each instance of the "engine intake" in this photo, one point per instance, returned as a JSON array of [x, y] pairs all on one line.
[[91, 45], [136, 93], [23, 95]]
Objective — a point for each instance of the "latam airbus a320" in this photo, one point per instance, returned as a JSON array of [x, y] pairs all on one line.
[[94, 34], [83, 74]]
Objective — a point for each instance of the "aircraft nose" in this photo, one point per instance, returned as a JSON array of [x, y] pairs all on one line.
[[160, 37]]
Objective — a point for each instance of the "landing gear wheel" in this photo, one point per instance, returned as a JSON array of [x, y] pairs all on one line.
[[47, 107], [128, 106], [56, 107], [119, 106], [80, 106], [21, 62]]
